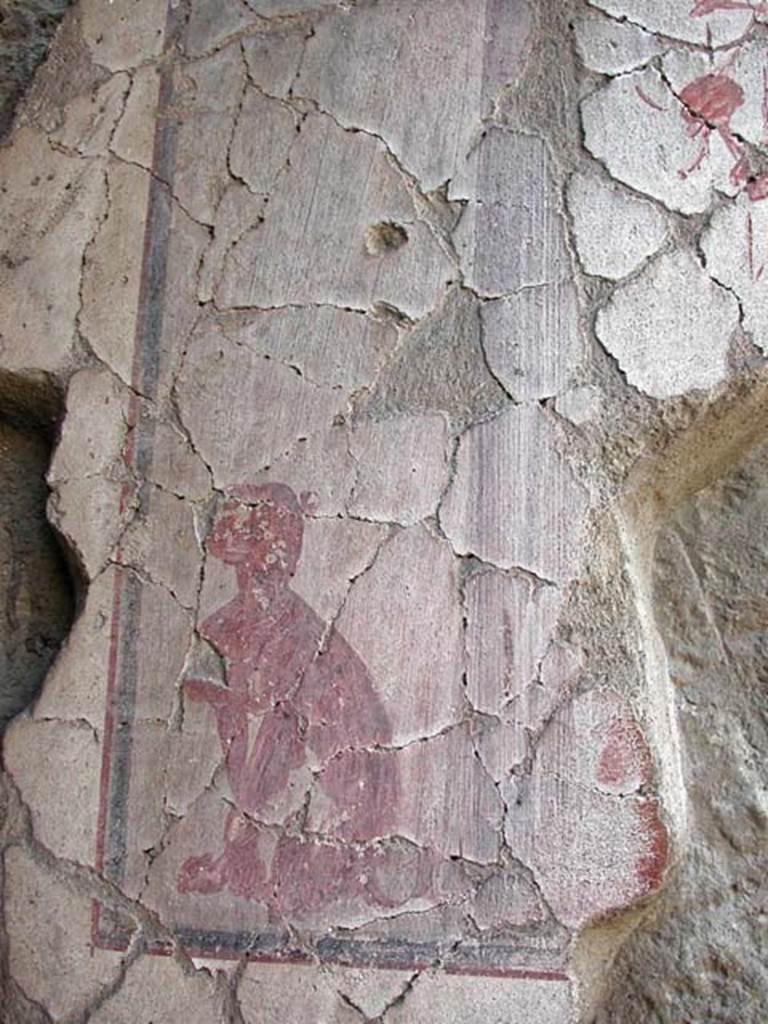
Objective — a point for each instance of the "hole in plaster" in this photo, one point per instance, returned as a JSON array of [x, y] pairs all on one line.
[[384, 237], [37, 592]]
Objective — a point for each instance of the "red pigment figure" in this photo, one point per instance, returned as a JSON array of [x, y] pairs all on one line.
[[709, 102], [294, 686]]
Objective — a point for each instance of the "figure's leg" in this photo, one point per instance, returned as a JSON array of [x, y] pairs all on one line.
[[277, 750], [239, 866], [308, 874], [231, 721]]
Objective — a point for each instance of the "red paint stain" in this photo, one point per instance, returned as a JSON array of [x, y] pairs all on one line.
[[625, 761], [650, 866], [295, 687], [647, 99], [709, 103]]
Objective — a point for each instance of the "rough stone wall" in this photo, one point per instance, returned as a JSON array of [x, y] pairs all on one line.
[[394, 335], [702, 958]]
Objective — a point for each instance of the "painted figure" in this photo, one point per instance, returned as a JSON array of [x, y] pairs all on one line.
[[296, 692], [709, 103]]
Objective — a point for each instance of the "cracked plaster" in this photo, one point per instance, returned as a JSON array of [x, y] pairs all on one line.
[[332, 371]]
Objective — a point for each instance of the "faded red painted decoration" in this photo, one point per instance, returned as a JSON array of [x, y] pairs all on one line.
[[704, 7], [710, 102], [295, 688]]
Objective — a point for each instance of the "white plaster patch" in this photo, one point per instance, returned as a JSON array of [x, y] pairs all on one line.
[[727, 91], [640, 131], [736, 248], [613, 47], [614, 232], [669, 329], [681, 19]]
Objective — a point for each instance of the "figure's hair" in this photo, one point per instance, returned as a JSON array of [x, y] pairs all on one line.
[[290, 509], [280, 495]]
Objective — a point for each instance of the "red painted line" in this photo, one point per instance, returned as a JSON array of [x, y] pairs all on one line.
[[647, 99]]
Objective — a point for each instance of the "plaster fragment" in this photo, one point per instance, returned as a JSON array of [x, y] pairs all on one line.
[[532, 340], [156, 988], [402, 468], [264, 132], [614, 231], [736, 252], [321, 465], [94, 428], [320, 200], [55, 764], [238, 210], [89, 119], [728, 92], [163, 542], [415, 46], [134, 137], [614, 47], [263, 993], [76, 686], [445, 998], [447, 803], [244, 410], [49, 930], [510, 624], [209, 96], [657, 151], [92, 514], [335, 552], [603, 847], [371, 991], [676, 18], [332, 347], [175, 467], [109, 299], [669, 329], [212, 22], [511, 233], [273, 58], [514, 501], [39, 287], [508, 900], [123, 34]]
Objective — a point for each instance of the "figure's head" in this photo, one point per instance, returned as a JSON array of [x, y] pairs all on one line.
[[260, 527]]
